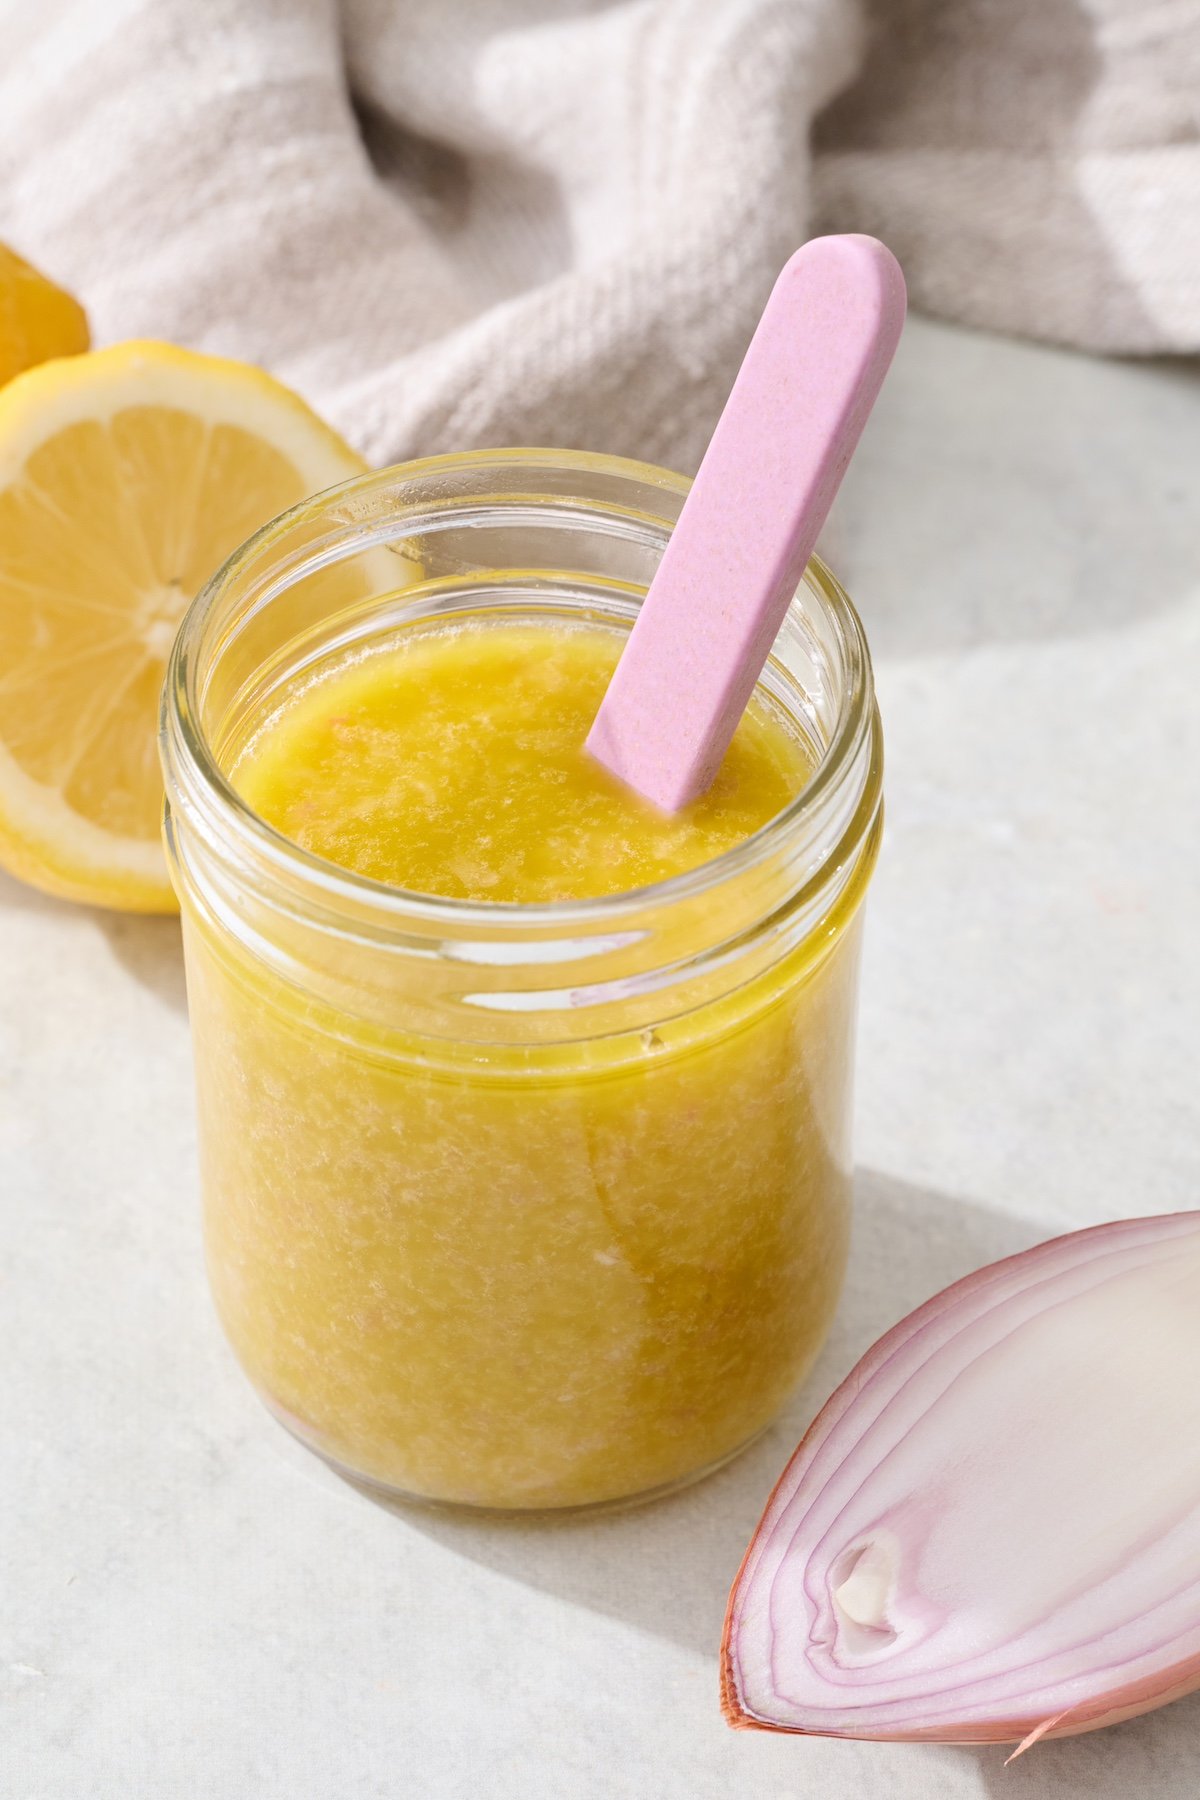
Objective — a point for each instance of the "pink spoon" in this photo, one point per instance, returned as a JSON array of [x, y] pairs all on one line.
[[747, 529]]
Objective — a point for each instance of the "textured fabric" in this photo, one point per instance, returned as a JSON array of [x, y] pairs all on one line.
[[455, 222]]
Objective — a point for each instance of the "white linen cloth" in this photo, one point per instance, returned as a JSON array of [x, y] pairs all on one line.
[[460, 222]]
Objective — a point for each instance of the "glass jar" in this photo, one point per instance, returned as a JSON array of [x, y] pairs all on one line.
[[515, 1206]]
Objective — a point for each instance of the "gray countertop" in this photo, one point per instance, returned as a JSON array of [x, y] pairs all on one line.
[[192, 1607]]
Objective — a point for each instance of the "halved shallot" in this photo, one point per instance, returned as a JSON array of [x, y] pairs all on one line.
[[991, 1532]]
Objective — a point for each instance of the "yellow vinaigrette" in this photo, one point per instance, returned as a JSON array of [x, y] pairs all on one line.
[[507, 1271], [454, 764]]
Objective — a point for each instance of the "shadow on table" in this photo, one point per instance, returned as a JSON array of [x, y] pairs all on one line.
[[147, 946], [150, 949], [667, 1567], [1156, 1755]]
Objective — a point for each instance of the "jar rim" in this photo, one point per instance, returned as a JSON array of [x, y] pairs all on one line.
[[338, 887]]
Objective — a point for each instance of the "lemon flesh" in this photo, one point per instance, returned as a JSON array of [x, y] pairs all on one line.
[[126, 478], [38, 320]]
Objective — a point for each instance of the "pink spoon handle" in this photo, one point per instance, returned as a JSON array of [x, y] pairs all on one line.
[[748, 526]]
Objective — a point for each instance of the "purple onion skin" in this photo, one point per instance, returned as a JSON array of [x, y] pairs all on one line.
[[1109, 1704]]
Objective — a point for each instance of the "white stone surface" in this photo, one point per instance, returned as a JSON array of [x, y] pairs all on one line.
[[192, 1609]]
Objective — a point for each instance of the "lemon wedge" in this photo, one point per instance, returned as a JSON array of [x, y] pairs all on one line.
[[37, 319], [126, 478]]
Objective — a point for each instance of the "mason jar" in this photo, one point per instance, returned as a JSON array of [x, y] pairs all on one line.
[[515, 1206]]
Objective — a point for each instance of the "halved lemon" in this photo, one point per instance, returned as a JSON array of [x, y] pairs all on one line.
[[126, 477], [37, 318]]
